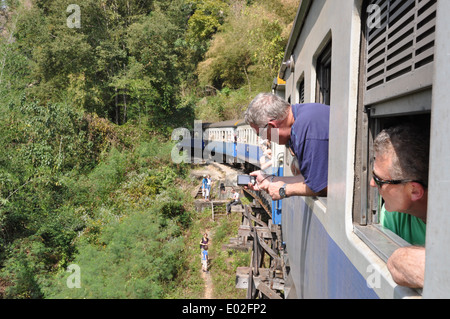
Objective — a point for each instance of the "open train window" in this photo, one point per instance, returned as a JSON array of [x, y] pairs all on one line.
[[396, 76], [323, 68]]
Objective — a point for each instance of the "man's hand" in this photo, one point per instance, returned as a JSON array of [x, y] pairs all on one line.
[[274, 190], [262, 182], [407, 266], [295, 185]]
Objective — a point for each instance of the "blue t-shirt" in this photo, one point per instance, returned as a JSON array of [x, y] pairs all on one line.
[[309, 142]]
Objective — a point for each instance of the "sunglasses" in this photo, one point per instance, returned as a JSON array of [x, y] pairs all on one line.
[[380, 182]]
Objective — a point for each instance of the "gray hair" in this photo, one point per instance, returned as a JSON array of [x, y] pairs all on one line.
[[410, 146], [266, 107]]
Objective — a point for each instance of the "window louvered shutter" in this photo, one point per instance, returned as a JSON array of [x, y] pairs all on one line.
[[400, 50]]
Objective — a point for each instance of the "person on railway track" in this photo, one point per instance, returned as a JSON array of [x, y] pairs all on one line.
[[304, 128], [400, 171]]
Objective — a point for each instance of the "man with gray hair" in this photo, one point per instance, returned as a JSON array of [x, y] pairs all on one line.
[[400, 171], [304, 129]]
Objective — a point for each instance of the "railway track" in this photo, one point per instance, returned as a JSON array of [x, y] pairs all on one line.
[[266, 274]]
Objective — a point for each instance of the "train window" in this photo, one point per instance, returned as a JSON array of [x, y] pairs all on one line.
[[301, 89], [397, 49], [323, 86]]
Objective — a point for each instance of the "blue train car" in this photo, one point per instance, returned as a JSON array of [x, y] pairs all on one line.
[[220, 142], [248, 149]]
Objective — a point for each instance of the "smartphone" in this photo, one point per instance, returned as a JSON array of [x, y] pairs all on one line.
[[244, 180]]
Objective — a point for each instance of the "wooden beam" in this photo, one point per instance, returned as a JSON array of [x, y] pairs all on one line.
[[269, 250], [243, 273], [253, 218], [263, 232], [258, 199], [267, 291]]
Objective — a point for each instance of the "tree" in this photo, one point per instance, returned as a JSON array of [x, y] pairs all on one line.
[[124, 55], [248, 49]]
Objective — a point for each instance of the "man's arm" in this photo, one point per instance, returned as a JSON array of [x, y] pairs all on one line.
[[407, 266], [293, 188], [296, 185]]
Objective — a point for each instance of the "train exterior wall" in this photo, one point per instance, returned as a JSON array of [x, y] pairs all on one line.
[[437, 268], [327, 259], [319, 267]]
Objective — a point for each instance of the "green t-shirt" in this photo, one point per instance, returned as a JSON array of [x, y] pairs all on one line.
[[408, 227]]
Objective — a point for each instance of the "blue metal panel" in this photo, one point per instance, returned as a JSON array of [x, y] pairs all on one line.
[[253, 153], [319, 268], [229, 149], [241, 154], [277, 204], [214, 151], [248, 153], [344, 280]]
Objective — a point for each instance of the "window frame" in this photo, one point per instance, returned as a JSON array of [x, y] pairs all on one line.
[[372, 115]]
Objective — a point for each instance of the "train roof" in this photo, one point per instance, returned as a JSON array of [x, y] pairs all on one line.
[[229, 123]]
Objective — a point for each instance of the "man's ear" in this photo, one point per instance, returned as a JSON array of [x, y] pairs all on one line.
[[274, 123], [417, 191]]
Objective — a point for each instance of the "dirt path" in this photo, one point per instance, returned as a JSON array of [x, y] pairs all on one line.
[[209, 288], [228, 175]]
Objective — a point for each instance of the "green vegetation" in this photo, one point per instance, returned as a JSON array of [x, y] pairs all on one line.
[[86, 116], [223, 263]]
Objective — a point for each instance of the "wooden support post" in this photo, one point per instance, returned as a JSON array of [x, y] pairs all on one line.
[[256, 254], [250, 284], [260, 281], [251, 288]]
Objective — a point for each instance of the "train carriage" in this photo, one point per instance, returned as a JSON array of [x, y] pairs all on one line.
[[248, 149], [375, 62], [221, 141]]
